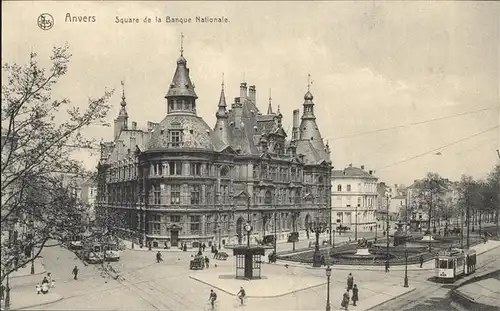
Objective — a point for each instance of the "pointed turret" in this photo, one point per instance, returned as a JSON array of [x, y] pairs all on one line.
[[121, 122], [270, 106], [221, 129], [181, 97], [309, 134]]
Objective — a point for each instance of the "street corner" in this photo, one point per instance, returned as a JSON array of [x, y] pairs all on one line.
[[24, 300], [382, 297], [270, 286]]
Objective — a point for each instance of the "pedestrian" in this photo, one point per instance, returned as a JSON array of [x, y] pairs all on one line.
[[387, 266], [350, 281], [203, 246], [185, 247], [49, 277], [216, 252], [345, 300], [421, 260], [75, 273], [323, 260], [38, 288], [2, 291], [355, 297], [207, 261], [158, 257]]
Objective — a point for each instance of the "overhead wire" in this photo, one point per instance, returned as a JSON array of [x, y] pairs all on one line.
[[414, 123], [439, 148]]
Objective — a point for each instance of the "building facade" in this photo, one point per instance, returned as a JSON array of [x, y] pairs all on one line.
[[354, 198], [181, 181]]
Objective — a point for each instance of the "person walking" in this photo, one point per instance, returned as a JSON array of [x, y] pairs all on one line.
[[345, 300], [387, 266], [38, 289], [355, 296], [75, 273], [350, 281], [203, 246], [207, 261], [421, 260], [158, 257]]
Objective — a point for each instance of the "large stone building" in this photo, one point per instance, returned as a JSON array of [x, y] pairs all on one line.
[[181, 181], [354, 190]]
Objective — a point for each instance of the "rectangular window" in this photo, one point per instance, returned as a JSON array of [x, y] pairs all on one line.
[[175, 138], [195, 223], [348, 187], [293, 174], [195, 194], [156, 195], [195, 169], [175, 218], [160, 169], [224, 193], [175, 194], [156, 229], [359, 201], [175, 168]]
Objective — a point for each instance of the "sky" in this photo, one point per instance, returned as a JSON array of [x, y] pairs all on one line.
[[373, 66]]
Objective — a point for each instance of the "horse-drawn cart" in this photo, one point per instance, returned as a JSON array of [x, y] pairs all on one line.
[[197, 263]]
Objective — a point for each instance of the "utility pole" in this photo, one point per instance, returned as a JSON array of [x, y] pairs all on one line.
[[387, 226], [275, 225], [498, 202], [406, 239], [467, 217], [356, 225]]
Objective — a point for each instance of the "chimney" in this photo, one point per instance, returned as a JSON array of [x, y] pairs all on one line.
[[132, 142], [371, 172], [238, 110], [243, 91], [134, 125], [362, 167], [350, 164], [295, 128], [251, 93]]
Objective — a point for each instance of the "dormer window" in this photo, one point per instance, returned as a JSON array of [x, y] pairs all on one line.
[[175, 138]]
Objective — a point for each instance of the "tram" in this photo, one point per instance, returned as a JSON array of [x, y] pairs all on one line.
[[454, 263]]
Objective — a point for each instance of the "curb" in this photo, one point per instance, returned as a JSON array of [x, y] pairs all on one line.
[[39, 304], [391, 299], [43, 271], [248, 296], [346, 267]]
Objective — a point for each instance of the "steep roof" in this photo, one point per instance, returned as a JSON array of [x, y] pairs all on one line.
[[352, 171]]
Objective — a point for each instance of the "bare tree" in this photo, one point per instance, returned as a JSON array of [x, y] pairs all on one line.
[[38, 139], [429, 192]]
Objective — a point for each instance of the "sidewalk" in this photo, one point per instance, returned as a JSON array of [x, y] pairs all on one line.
[[278, 282], [26, 270], [428, 265], [485, 292], [26, 297]]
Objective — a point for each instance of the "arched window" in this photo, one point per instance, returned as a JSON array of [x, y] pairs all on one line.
[[268, 198], [224, 171]]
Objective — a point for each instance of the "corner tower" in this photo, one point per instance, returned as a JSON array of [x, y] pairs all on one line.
[[121, 122], [181, 97], [221, 129]]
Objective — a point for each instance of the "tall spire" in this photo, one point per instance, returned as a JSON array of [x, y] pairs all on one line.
[[182, 44], [309, 82], [221, 112], [123, 103], [270, 106]]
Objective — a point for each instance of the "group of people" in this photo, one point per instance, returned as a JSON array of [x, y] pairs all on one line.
[[213, 297], [346, 297], [45, 285]]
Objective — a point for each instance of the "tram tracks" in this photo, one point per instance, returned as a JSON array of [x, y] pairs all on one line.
[[432, 289]]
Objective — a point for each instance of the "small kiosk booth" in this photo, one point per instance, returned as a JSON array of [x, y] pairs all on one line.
[[248, 261]]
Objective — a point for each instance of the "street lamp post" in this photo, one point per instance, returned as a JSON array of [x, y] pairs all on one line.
[[328, 275], [248, 227], [376, 228], [317, 227], [356, 225], [387, 226], [406, 239]]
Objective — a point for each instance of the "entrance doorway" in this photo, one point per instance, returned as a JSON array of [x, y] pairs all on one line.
[[174, 238]]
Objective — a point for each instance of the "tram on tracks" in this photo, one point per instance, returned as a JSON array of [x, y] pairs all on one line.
[[455, 263]]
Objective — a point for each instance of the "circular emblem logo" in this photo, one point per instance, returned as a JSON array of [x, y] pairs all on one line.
[[248, 228], [45, 21]]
